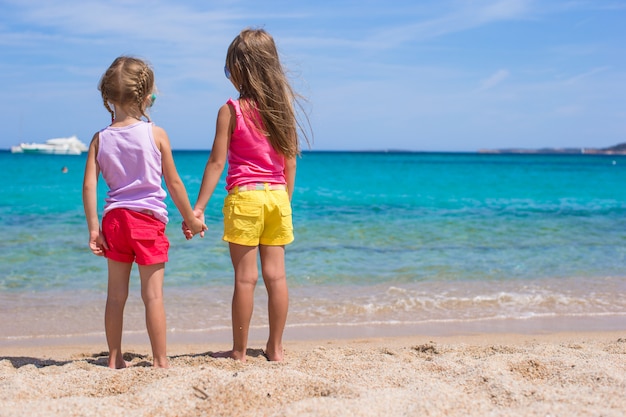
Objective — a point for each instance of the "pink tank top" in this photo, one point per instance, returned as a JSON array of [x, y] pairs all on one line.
[[130, 164], [251, 157]]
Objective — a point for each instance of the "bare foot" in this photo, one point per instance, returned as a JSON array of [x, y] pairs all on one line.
[[119, 364], [274, 356], [229, 354], [163, 363]]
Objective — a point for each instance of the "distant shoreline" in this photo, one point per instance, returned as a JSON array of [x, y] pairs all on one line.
[[558, 151], [505, 151]]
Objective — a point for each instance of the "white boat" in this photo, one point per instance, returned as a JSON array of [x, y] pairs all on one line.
[[57, 146]]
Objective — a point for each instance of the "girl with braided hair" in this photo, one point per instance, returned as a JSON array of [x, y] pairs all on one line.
[[132, 154]]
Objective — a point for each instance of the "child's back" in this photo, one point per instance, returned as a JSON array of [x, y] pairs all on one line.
[[132, 156]]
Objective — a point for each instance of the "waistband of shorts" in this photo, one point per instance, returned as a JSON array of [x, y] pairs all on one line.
[[257, 186]]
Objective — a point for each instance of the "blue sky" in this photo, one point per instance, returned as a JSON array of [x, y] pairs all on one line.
[[432, 75]]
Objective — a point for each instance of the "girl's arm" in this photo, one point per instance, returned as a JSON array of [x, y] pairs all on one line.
[[290, 175], [97, 244], [174, 184], [217, 159]]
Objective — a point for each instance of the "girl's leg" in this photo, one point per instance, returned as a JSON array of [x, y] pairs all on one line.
[[275, 278], [244, 260], [117, 293], [152, 296]]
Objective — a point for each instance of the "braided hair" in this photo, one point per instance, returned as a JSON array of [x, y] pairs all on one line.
[[127, 83]]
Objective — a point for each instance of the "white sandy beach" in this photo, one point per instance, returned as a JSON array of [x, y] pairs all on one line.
[[560, 374]]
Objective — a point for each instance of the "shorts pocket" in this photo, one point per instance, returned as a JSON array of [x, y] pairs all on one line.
[[247, 210], [242, 210], [285, 210], [242, 223], [144, 234]]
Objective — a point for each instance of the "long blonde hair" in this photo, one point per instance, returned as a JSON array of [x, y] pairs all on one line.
[[255, 67], [127, 82]]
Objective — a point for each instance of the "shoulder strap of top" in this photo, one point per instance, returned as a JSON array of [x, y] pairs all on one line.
[[235, 105]]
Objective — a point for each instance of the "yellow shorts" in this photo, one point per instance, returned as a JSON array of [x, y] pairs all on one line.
[[258, 216]]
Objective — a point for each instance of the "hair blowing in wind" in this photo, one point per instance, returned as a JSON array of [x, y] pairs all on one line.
[[255, 66]]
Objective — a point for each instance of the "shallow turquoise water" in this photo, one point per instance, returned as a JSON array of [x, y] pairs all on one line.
[[380, 238]]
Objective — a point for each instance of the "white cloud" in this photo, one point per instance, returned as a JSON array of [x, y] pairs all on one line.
[[586, 74], [459, 17], [503, 10], [493, 80], [165, 22]]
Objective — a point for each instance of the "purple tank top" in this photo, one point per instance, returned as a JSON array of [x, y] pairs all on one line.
[[130, 164]]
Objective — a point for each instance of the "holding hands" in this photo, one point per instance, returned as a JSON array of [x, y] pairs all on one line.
[[190, 230]]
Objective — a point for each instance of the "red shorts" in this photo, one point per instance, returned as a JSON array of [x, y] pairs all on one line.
[[134, 236]]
